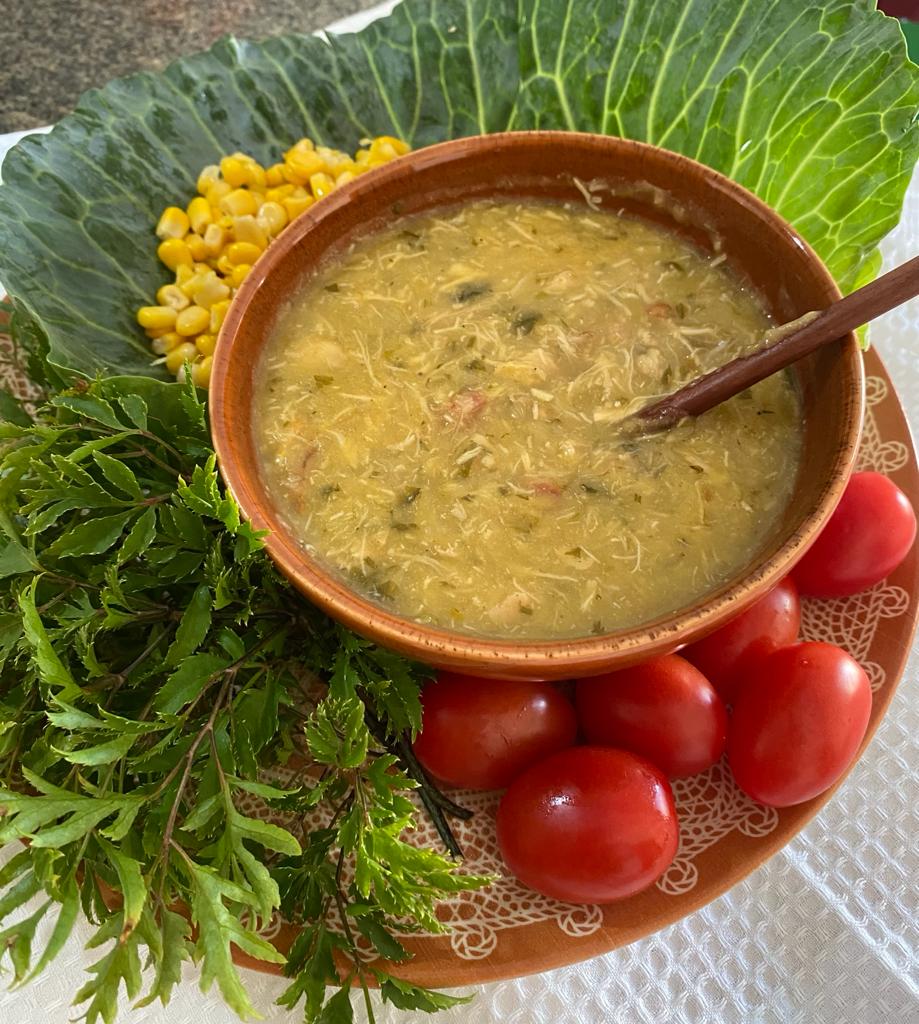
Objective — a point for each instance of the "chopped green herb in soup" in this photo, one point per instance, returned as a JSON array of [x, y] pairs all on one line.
[[437, 412]]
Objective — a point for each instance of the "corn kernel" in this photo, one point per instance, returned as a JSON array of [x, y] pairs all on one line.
[[172, 295], [199, 251], [242, 252], [194, 282], [295, 205], [174, 253], [274, 175], [211, 291], [177, 357], [202, 273], [330, 157], [212, 245], [238, 203], [200, 214], [271, 217], [300, 167], [205, 344], [258, 179], [204, 276], [240, 271], [382, 149], [389, 143], [214, 239], [321, 184], [218, 314], [173, 223], [339, 162], [302, 148], [156, 317], [210, 175], [217, 191], [166, 343], [201, 372], [184, 273], [192, 321], [247, 229], [275, 195], [254, 172], [235, 171]]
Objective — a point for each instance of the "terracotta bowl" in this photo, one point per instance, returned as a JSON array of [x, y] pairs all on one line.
[[663, 187]]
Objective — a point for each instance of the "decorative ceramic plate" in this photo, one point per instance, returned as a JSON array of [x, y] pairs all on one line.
[[507, 930]]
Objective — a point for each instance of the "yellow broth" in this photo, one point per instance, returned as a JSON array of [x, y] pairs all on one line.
[[436, 418]]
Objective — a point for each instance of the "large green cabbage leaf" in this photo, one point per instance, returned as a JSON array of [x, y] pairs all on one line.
[[810, 104]]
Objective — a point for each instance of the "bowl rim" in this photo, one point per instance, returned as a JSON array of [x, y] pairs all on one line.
[[495, 656]]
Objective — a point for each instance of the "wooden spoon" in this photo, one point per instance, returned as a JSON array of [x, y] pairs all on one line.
[[795, 340]]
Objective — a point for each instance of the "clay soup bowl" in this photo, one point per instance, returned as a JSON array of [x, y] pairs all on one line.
[[660, 186]]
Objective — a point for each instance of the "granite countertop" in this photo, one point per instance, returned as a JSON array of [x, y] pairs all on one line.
[[53, 50]]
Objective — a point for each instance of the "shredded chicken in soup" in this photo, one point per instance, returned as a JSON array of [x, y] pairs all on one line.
[[437, 415]]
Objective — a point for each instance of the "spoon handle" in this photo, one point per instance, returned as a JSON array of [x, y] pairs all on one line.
[[844, 315]]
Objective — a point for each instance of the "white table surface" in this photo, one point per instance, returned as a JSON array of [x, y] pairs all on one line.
[[827, 932]]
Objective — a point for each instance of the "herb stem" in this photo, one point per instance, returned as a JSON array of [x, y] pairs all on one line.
[[163, 444], [221, 775], [119, 678], [435, 802], [346, 927], [416, 771], [51, 602], [440, 823], [183, 782], [95, 428], [20, 736]]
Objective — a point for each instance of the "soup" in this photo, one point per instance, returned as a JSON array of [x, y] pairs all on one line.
[[437, 418]]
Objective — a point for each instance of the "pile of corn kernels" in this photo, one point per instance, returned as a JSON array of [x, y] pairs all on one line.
[[212, 244]]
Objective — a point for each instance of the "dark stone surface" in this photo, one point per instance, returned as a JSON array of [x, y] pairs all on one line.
[[53, 50]]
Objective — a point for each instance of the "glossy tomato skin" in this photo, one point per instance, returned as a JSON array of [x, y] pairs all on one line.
[[724, 656], [588, 825], [664, 710], [798, 722], [482, 733], [866, 538]]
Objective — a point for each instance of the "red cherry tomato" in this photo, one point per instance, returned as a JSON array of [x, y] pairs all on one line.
[[798, 721], [724, 656], [867, 537], [482, 733], [664, 710], [588, 825]]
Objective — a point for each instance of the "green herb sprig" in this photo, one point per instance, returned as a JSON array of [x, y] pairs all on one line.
[[153, 669]]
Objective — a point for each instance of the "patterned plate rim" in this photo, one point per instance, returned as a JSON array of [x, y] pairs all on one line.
[[542, 946]]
